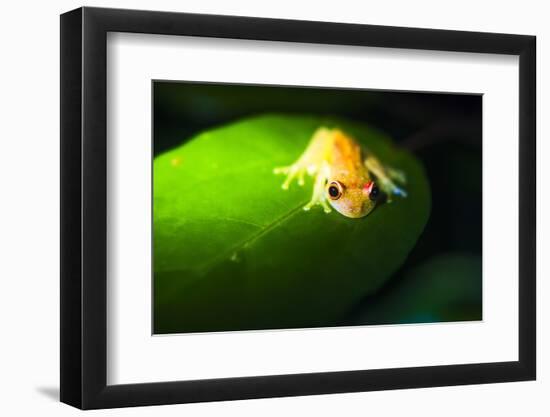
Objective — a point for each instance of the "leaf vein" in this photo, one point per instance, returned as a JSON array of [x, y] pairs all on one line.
[[246, 242]]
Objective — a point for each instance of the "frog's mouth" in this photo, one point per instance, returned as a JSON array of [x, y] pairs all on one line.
[[356, 204]]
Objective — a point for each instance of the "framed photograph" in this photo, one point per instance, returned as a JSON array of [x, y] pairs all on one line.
[[258, 208]]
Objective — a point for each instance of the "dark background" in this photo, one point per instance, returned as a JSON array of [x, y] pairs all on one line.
[[443, 130]]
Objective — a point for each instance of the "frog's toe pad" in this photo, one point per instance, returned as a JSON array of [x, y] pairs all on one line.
[[400, 192], [281, 170]]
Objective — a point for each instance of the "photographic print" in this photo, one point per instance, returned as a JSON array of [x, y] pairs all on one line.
[[279, 207]]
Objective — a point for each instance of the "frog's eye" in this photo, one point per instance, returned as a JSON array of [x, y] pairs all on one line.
[[335, 190], [371, 190], [374, 192]]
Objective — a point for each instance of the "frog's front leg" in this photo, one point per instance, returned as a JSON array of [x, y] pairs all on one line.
[[310, 161], [313, 162], [319, 194]]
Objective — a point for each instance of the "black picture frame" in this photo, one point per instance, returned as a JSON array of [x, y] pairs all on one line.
[[84, 197]]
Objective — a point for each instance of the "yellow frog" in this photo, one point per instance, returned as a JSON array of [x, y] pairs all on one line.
[[346, 177]]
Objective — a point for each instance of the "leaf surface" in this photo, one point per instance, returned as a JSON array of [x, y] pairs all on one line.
[[447, 287]]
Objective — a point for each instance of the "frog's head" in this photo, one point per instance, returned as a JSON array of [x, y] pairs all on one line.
[[352, 200]]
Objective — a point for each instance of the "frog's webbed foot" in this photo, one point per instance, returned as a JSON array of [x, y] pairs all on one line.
[[298, 171], [323, 203], [390, 188], [293, 171], [396, 175]]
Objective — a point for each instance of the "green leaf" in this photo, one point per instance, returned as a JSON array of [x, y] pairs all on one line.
[[233, 251], [445, 288]]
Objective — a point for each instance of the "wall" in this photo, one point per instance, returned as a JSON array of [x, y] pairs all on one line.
[[29, 212]]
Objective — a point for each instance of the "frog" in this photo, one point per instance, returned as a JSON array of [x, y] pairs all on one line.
[[346, 176]]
